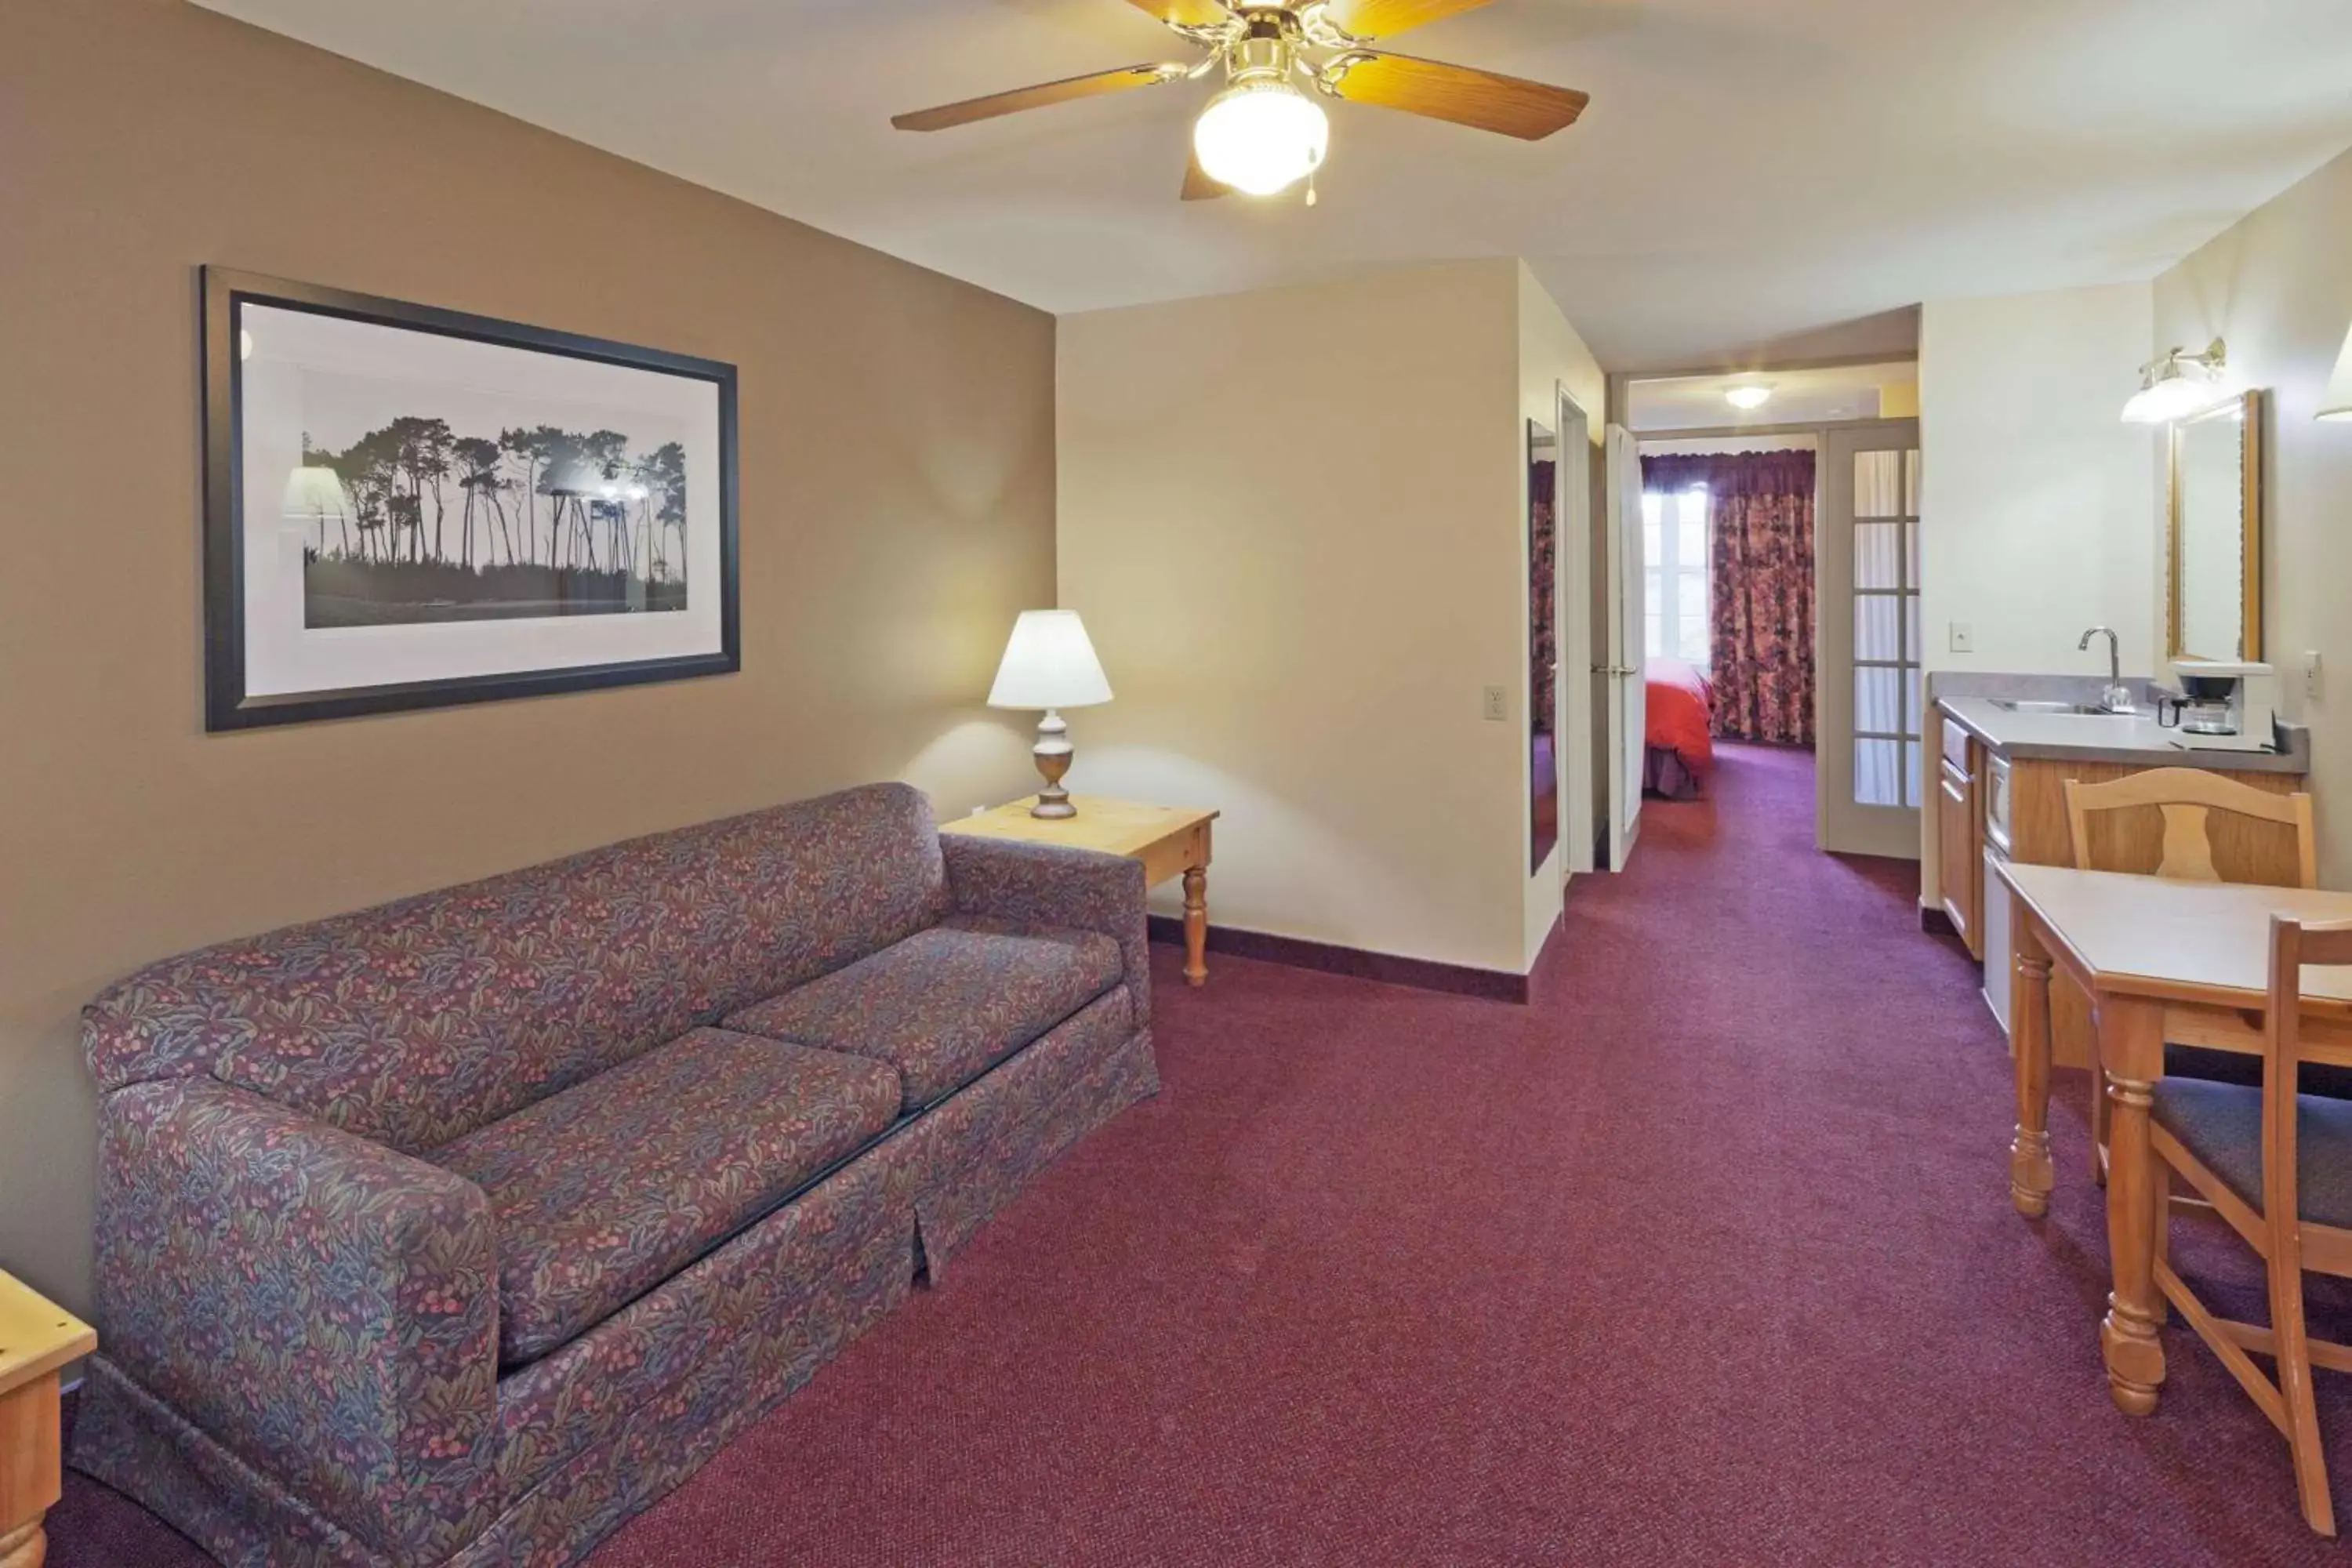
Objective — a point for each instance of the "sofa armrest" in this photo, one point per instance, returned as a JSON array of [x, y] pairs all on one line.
[[324, 1307], [1051, 885]]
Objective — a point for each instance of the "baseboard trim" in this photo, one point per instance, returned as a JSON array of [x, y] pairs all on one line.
[[1330, 958]]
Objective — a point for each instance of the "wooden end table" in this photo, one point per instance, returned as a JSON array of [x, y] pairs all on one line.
[[1169, 840], [37, 1339]]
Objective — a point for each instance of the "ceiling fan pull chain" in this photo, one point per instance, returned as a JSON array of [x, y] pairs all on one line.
[[1310, 187]]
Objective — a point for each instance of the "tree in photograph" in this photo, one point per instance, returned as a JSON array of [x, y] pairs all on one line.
[[663, 473], [485, 487]]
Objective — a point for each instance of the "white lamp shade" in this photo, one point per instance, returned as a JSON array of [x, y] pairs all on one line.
[[1049, 663], [2337, 404]]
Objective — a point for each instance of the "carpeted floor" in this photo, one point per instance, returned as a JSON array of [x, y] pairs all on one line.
[[1705, 1258]]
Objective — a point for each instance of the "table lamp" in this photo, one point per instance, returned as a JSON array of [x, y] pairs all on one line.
[[1049, 663]]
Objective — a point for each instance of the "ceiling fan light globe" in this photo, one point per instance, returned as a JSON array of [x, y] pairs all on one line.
[[1260, 137]]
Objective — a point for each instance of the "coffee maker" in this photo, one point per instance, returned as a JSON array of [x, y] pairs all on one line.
[[2223, 707]]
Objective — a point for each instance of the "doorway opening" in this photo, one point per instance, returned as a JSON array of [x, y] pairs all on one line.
[[1779, 583]]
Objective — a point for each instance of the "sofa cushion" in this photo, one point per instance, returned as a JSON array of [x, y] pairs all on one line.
[[945, 1005], [602, 1191]]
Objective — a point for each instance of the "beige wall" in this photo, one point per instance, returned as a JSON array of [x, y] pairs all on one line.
[[2037, 500], [2277, 288], [1293, 521], [1553, 361], [897, 478]]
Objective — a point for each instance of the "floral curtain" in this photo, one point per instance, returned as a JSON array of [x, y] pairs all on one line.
[[1760, 586]]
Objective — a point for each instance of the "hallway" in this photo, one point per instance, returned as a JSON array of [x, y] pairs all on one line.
[[1705, 1258]]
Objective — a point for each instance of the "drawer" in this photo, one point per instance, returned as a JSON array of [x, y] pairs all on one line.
[[1955, 747]]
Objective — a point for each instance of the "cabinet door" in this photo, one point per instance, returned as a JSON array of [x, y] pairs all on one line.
[[1956, 858]]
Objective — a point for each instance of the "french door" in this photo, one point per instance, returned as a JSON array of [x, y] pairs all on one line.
[[1869, 725]]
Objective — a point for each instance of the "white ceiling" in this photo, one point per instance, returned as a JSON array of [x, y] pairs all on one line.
[[1816, 397], [1749, 172]]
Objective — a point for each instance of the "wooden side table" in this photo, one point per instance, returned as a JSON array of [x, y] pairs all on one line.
[[37, 1338], [1171, 841]]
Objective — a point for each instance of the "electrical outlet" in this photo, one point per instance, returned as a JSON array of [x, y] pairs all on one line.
[[2311, 676], [1497, 707], [1964, 638]]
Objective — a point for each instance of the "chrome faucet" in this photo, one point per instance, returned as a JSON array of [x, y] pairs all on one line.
[[2118, 697]]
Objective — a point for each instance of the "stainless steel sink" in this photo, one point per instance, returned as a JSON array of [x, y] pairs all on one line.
[[2030, 705]]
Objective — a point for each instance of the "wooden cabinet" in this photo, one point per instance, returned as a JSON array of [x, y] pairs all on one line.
[[1958, 836]]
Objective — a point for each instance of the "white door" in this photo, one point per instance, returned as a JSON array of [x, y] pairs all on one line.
[[1868, 765], [1627, 699], [1573, 642]]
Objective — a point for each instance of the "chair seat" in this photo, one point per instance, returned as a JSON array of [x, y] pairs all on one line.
[[947, 1003], [2221, 1125], [601, 1193]]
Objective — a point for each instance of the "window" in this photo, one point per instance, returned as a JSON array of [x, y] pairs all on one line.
[[1677, 619]]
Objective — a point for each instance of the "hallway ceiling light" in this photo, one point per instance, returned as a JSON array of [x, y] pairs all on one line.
[[2337, 404], [2177, 386], [1746, 398]]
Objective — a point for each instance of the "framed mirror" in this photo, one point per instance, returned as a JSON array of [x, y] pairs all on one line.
[[2215, 533]]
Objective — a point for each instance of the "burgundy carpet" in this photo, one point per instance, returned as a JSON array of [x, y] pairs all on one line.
[[1706, 1257]]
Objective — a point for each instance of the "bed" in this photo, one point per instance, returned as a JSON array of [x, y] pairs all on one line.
[[1678, 748]]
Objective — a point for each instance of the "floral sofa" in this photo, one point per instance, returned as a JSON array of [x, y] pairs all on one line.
[[457, 1231]]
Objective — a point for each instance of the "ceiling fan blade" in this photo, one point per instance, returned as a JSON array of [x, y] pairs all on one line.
[[1510, 105], [1038, 97], [1387, 19], [1197, 186], [1185, 12]]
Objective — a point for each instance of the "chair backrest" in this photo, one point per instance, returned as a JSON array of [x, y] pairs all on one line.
[[2293, 946], [2179, 841]]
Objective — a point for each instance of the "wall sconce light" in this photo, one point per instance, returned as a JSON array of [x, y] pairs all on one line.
[[2337, 404], [2176, 384]]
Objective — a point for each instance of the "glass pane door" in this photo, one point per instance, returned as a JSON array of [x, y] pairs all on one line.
[[1871, 770], [1887, 720]]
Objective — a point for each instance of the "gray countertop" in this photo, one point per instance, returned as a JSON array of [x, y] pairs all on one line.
[[2094, 737]]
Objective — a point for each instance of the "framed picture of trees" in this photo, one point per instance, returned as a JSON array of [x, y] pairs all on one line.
[[408, 507]]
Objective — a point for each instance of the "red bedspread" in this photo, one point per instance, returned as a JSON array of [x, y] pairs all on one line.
[[1681, 706]]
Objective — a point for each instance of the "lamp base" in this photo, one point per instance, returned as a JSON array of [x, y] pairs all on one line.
[[1052, 753]]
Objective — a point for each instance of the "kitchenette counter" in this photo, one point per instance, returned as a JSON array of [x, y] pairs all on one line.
[[2000, 797], [2112, 738]]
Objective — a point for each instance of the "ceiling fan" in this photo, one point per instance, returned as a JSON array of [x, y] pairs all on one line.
[[1261, 134]]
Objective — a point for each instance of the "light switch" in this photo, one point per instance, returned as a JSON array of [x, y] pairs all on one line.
[[1497, 707], [1964, 638], [2311, 674]]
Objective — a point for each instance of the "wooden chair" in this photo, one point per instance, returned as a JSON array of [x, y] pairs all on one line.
[[2181, 844], [2278, 1166]]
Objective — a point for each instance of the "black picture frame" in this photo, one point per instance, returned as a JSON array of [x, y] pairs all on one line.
[[228, 705]]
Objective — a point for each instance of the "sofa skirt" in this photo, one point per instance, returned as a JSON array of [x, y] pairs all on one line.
[[978, 1149]]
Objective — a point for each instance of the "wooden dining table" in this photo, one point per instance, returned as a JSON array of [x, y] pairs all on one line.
[[2162, 960]]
